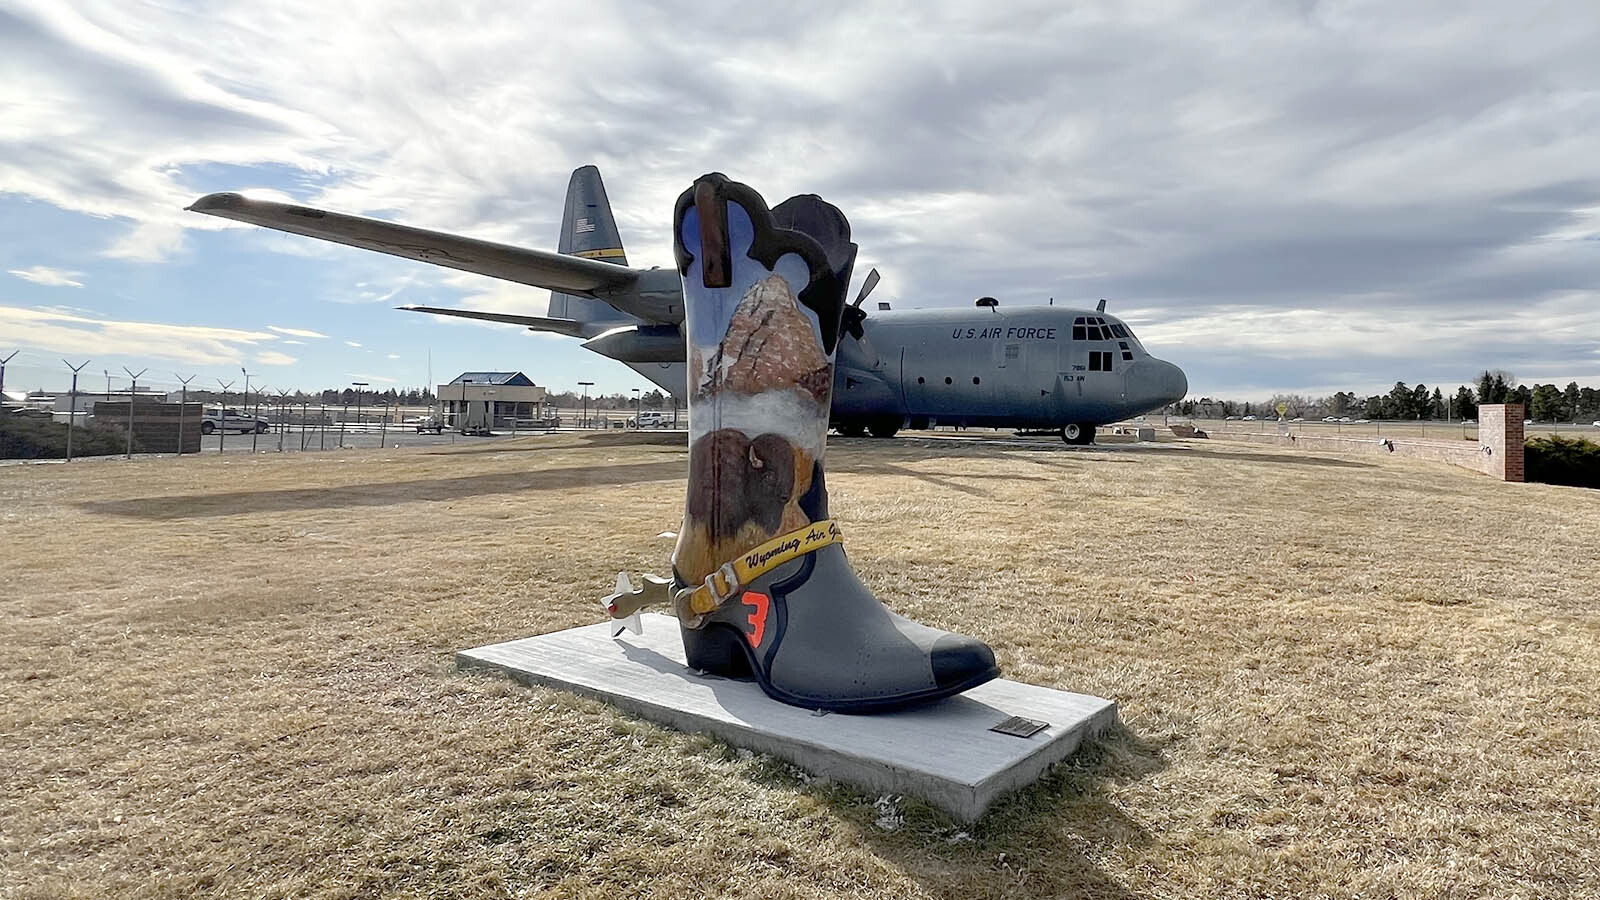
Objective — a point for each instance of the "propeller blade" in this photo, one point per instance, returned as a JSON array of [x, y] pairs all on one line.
[[866, 287]]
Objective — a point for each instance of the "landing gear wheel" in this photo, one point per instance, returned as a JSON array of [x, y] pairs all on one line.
[[1077, 433], [851, 429], [884, 428]]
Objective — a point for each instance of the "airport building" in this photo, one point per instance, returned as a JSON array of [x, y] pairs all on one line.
[[81, 406], [491, 400]]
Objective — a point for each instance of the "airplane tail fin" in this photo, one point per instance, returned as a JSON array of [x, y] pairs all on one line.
[[588, 230]]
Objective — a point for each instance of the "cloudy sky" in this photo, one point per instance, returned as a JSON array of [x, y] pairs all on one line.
[[1303, 196]]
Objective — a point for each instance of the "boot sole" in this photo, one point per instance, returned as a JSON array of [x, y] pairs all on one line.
[[722, 650]]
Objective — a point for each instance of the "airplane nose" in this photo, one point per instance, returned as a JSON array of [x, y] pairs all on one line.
[[1160, 382]]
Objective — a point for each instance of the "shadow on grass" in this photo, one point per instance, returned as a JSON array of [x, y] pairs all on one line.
[[1035, 842], [1289, 458], [565, 441], [937, 479], [191, 506]]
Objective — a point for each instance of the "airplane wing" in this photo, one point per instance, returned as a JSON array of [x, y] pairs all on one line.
[[569, 327], [539, 268]]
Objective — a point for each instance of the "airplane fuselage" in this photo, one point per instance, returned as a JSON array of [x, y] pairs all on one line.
[[1043, 367], [1007, 367]]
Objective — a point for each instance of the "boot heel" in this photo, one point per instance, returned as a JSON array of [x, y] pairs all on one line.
[[717, 650]]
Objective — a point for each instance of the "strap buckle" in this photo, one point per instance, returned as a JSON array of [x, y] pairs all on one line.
[[730, 579]]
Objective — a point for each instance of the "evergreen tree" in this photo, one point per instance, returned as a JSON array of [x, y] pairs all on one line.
[[1399, 402], [1520, 394], [1486, 387], [1466, 406], [1436, 408], [1588, 404], [1499, 391], [1545, 404], [1419, 402], [1373, 408], [1570, 401]]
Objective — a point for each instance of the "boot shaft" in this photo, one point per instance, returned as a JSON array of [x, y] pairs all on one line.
[[763, 301]]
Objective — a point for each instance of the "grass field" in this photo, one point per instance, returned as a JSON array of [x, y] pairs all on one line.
[[1339, 677], [1441, 431]]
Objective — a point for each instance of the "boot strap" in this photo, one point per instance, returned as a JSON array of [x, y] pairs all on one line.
[[690, 604], [728, 579]]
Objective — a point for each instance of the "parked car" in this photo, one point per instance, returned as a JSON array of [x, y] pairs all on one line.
[[648, 420], [430, 423], [1249, 418], [231, 420], [1330, 418]]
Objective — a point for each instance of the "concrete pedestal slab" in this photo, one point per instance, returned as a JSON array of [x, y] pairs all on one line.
[[943, 752]]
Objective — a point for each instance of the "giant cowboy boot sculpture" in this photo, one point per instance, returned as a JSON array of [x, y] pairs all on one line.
[[761, 584]]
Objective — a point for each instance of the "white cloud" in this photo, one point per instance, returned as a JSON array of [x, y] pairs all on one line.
[[274, 358], [296, 332], [47, 276], [373, 379], [61, 332], [298, 343], [1280, 167], [351, 344], [394, 356]]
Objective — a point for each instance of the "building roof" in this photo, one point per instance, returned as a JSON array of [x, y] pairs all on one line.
[[507, 378]]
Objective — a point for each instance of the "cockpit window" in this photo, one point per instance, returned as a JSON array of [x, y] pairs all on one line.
[[1126, 353], [1119, 329], [1078, 331]]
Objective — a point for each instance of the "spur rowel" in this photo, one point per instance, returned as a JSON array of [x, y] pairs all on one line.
[[762, 585]]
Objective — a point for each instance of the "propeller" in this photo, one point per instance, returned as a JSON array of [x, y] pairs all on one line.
[[854, 315]]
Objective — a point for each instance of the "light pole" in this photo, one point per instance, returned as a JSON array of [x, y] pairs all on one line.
[[283, 399], [183, 405], [133, 388], [638, 408], [222, 415], [586, 385], [358, 385], [72, 403], [255, 416], [488, 411]]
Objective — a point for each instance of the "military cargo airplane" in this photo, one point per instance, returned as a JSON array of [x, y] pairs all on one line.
[[1039, 368]]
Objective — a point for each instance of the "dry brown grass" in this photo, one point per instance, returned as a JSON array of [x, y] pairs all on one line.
[[233, 677]]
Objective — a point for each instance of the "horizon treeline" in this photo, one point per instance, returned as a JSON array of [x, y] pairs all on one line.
[[1543, 402]]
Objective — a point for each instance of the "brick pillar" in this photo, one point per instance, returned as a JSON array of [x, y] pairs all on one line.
[[1500, 437]]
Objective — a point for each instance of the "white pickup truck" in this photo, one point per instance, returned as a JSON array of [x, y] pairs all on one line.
[[231, 420]]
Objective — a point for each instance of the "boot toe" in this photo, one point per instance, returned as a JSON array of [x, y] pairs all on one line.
[[960, 662]]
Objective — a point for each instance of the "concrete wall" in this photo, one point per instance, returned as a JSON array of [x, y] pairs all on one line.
[[1497, 452], [155, 425]]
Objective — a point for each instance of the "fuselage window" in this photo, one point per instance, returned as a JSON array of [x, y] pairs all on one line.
[[947, 379], [974, 379], [1094, 360], [1105, 360], [1099, 360], [921, 380]]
